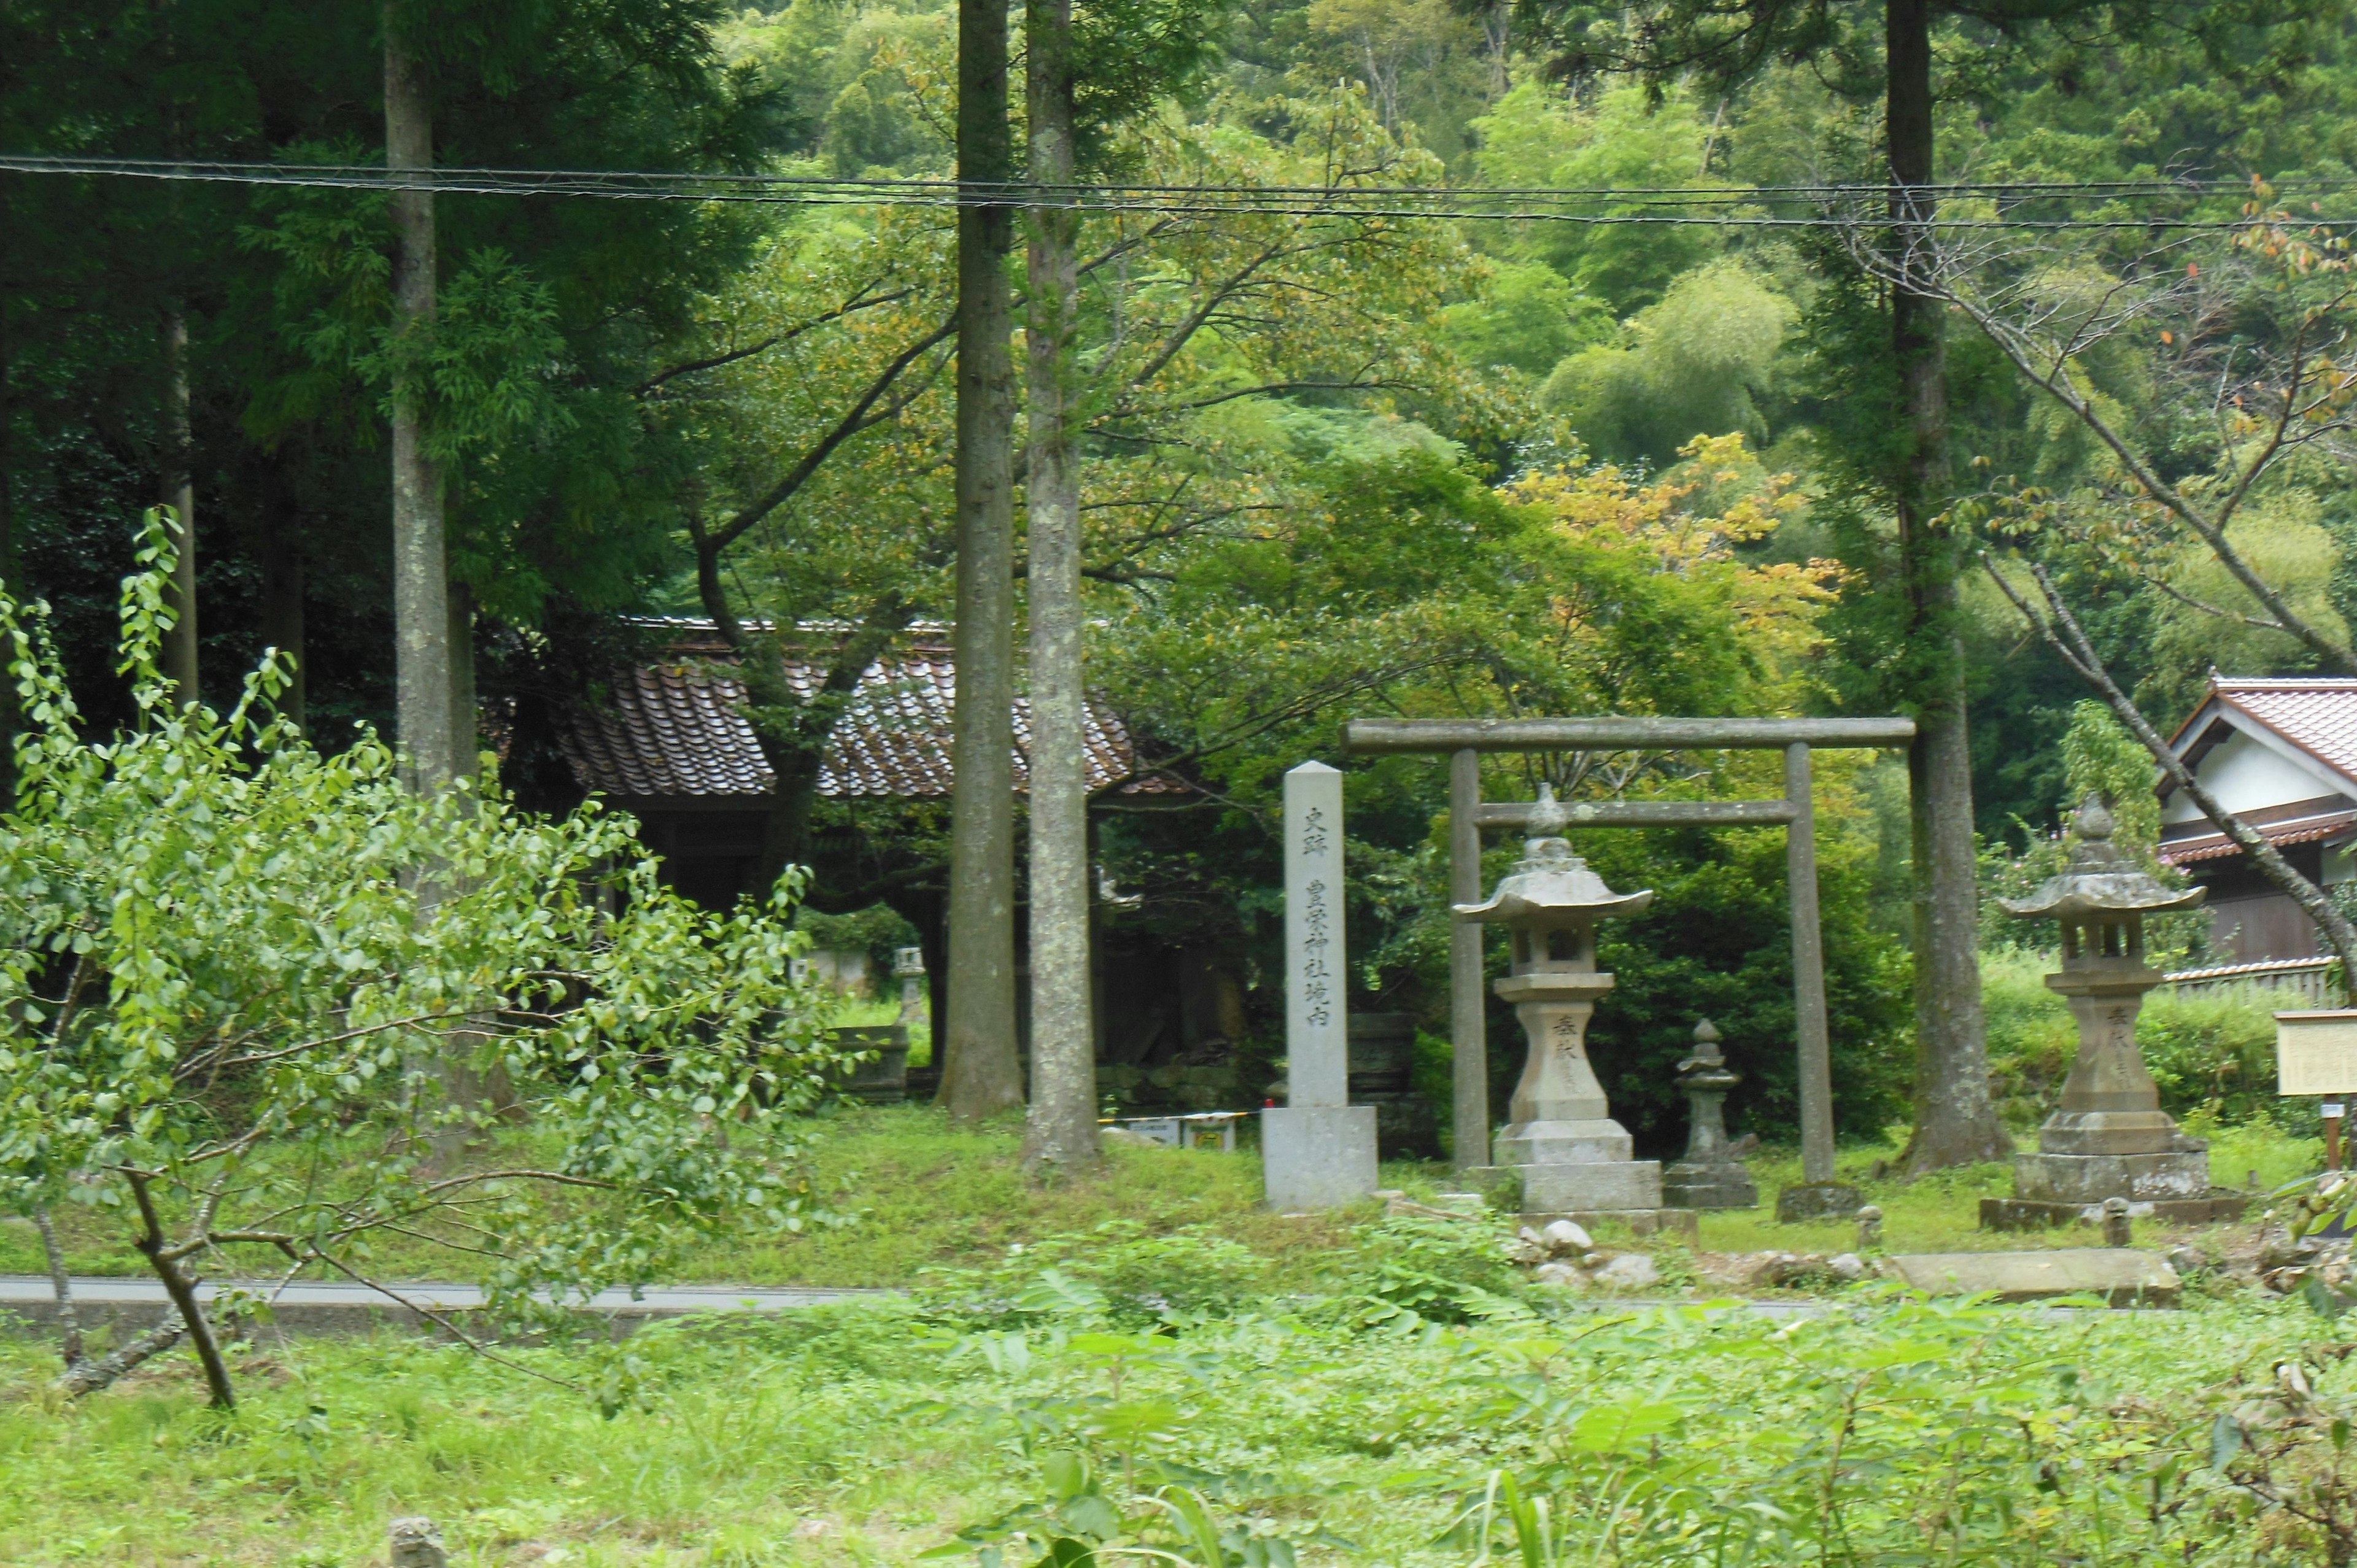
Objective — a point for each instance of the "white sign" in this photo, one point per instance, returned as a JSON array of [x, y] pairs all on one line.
[[1316, 1036], [2316, 1053]]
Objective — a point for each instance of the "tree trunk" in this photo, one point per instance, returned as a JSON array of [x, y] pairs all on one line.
[[180, 494], [8, 507], [1062, 1131], [466, 723], [283, 583], [421, 610], [1955, 1120], [794, 729], [980, 1072]]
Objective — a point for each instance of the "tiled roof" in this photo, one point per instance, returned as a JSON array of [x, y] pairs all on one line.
[[2249, 971], [2319, 715], [677, 727], [2218, 846]]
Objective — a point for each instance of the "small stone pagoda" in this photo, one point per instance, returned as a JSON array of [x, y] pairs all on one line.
[[1710, 1176], [1573, 1158], [2110, 1138]]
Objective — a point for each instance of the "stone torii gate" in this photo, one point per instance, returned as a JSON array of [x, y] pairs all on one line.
[[1466, 739]]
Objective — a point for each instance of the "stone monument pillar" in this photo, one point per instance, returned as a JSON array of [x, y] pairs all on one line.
[[1572, 1156], [1318, 1151], [1709, 1176], [2110, 1138]]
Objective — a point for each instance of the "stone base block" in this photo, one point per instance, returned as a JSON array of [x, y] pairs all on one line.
[[2221, 1207], [1599, 1141], [1316, 1157], [1600, 1186], [1640, 1221], [1818, 1201], [2091, 1178], [1710, 1187], [2115, 1132]]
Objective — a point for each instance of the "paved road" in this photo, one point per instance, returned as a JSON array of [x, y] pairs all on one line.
[[22, 1290]]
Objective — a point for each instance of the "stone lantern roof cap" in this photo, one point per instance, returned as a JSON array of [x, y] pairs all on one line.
[[1549, 878], [2100, 880]]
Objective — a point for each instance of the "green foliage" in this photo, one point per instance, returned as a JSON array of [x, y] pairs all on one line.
[[1529, 318], [1643, 1438], [259, 997], [1695, 364], [1119, 1272], [1410, 1271], [1716, 943], [1537, 135], [2210, 1052], [2100, 758]]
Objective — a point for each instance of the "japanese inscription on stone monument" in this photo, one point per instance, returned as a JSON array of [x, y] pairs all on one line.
[[1317, 1061]]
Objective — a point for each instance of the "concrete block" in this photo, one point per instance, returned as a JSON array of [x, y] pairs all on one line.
[[1318, 1157], [1563, 1188], [2121, 1275], [2220, 1208], [1818, 1201], [1692, 1185]]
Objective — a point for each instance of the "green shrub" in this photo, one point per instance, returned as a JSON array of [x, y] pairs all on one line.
[[1123, 1275], [2030, 1035], [2217, 1049], [260, 1006], [1409, 1269]]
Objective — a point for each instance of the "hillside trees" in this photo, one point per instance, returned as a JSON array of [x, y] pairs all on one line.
[[817, 390], [550, 314], [1886, 53], [1395, 581]]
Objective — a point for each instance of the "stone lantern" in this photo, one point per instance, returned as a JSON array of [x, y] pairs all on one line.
[[1710, 1176], [1572, 1156], [2110, 1138], [908, 966]]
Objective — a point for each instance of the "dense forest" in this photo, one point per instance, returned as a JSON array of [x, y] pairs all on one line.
[[1331, 460]]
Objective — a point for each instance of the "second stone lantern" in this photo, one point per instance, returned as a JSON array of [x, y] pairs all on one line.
[[2110, 1138], [1573, 1158]]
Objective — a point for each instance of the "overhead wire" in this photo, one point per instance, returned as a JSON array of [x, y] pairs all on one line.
[[1707, 206]]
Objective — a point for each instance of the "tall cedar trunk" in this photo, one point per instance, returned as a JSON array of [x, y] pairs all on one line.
[[180, 494], [980, 1072], [1063, 1122], [8, 502], [283, 581], [1955, 1122], [466, 725], [420, 610]]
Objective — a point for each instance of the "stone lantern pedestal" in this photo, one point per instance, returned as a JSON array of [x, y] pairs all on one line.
[[1572, 1156], [2110, 1139]]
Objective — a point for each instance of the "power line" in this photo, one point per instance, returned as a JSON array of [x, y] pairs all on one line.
[[1628, 205]]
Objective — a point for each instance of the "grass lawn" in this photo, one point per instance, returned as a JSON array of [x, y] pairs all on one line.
[[919, 1194]]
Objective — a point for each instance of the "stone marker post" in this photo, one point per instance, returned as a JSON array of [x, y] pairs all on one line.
[[908, 964], [1318, 1150]]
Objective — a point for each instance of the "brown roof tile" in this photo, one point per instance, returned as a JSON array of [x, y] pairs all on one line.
[[677, 727]]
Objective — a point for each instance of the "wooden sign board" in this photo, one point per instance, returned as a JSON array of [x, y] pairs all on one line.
[[2316, 1053]]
